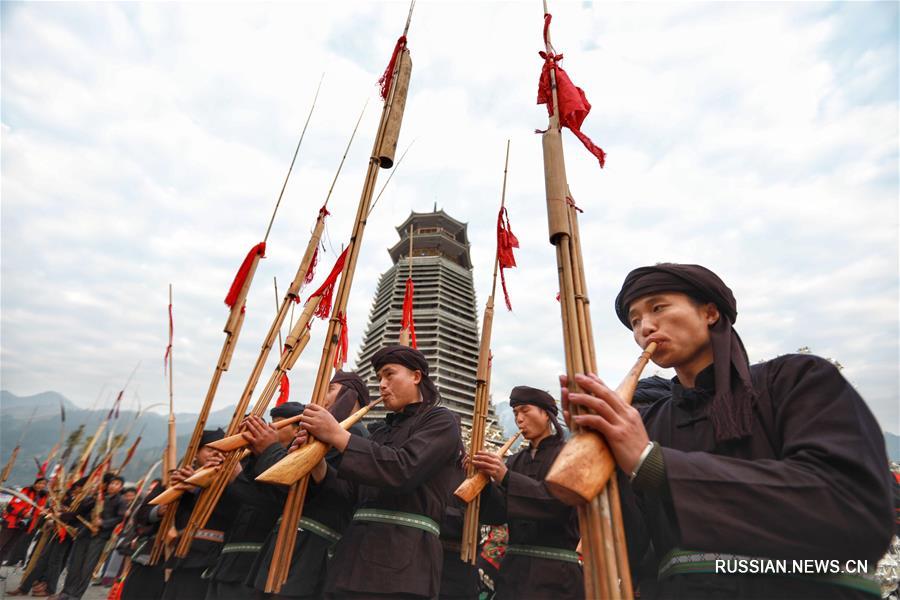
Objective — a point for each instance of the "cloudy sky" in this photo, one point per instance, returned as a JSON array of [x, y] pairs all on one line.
[[144, 144]]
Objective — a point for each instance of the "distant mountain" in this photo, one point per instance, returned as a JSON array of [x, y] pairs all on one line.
[[15, 411]]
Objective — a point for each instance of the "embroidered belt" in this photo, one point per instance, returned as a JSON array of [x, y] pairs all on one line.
[[544, 552], [393, 517], [210, 535], [239, 547], [680, 562], [320, 529]]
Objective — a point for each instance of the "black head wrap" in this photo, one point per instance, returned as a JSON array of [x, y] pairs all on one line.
[[731, 410], [211, 435], [411, 359], [352, 383], [286, 410], [108, 477], [523, 394]]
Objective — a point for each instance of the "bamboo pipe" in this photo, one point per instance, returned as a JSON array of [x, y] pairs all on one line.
[[237, 441], [287, 532], [300, 462], [472, 486], [585, 464]]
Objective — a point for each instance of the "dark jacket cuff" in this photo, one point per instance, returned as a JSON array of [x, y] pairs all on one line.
[[651, 476]]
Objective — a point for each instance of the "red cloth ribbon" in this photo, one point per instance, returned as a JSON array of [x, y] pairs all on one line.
[[285, 390], [506, 241], [573, 104], [407, 322], [340, 357], [326, 290], [385, 81], [169, 347], [310, 273], [238, 284]]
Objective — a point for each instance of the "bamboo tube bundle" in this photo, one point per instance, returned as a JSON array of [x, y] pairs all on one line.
[[606, 567], [300, 462], [396, 82], [469, 545], [469, 489], [232, 330]]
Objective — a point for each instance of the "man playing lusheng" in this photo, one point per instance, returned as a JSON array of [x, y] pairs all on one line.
[[399, 481], [540, 560], [782, 460]]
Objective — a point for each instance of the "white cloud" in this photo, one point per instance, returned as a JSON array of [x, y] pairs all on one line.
[[146, 143]]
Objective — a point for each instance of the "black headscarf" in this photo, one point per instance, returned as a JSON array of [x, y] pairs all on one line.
[[411, 359], [353, 390], [523, 394], [286, 410], [211, 435], [731, 410]]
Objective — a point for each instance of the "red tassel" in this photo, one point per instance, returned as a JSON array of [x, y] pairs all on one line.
[[169, 347], [311, 272], [326, 290], [385, 81], [573, 104], [407, 322], [340, 357], [323, 212], [238, 283], [285, 390], [506, 241]]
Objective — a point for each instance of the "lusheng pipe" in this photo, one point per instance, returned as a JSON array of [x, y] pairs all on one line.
[[300, 462], [472, 486]]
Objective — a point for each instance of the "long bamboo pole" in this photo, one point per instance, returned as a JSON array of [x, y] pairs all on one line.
[[210, 496], [171, 450], [469, 544], [382, 153]]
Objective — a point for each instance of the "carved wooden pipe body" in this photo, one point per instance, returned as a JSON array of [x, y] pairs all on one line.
[[586, 463]]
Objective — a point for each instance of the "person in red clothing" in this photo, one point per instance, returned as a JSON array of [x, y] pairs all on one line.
[[19, 517]]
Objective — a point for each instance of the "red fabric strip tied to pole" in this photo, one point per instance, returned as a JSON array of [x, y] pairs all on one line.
[[326, 290], [323, 212], [340, 357], [573, 104], [241, 276], [385, 81], [285, 391], [407, 322], [506, 241]]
